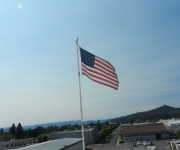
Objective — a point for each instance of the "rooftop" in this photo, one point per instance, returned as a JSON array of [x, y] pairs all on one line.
[[72, 131], [53, 145]]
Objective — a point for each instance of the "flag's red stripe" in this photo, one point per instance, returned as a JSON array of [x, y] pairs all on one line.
[[108, 81], [101, 74], [100, 81], [105, 63]]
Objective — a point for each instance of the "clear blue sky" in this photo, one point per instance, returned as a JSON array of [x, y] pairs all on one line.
[[38, 62]]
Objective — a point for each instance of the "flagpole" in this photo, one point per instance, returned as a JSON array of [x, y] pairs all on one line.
[[82, 128]]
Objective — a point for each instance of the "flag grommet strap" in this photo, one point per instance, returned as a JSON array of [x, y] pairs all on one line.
[[98, 69]]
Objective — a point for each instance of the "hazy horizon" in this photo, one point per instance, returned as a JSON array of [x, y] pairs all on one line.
[[83, 120]]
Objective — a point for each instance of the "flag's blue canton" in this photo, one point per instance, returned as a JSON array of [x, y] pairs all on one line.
[[87, 58]]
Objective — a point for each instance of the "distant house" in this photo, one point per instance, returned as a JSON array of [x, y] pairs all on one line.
[[172, 125], [139, 124], [145, 132], [112, 124], [15, 143], [170, 122], [125, 125], [90, 135]]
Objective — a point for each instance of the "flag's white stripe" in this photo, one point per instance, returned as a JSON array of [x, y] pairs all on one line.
[[105, 62], [101, 74], [100, 81]]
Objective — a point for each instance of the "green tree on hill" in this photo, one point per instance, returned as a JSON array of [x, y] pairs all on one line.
[[42, 138], [154, 115], [19, 132], [98, 125], [105, 132], [107, 122], [1, 131], [12, 130], [178, 133]]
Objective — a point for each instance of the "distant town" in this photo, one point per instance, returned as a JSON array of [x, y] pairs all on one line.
[[132, 131]]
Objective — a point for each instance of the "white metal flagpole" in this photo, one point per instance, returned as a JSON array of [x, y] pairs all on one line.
[[82, 128]]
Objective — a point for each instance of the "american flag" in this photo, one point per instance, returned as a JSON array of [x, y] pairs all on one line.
[[98, 69]]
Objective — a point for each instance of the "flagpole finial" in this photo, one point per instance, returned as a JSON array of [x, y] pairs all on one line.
[[76, 39]]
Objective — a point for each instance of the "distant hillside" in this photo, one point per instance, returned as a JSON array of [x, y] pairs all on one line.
[[45, 125], [163, 112]]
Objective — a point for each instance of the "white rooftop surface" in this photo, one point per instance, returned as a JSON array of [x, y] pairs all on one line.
[[175, 121], [52, 145]]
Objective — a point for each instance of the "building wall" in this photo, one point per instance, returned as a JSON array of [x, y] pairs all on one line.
[[95, 135], [165, 136], [91, 136], [139, 137], [15, 143]]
